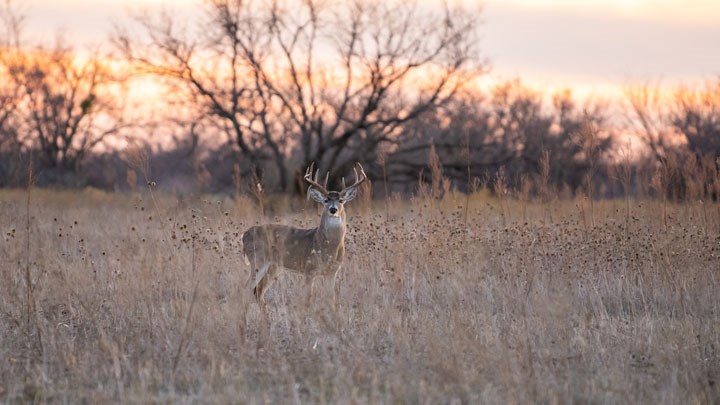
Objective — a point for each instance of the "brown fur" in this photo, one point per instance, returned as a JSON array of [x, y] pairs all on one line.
[[268, 249]]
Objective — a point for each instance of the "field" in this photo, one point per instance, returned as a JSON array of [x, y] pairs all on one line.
[[140, 298]]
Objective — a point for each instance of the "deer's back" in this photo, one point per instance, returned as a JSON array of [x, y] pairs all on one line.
[[282, 244]]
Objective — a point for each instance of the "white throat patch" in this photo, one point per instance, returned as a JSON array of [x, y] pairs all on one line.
[[333, 221]]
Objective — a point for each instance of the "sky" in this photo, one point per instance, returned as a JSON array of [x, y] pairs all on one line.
[[594, 44], [591, 46]]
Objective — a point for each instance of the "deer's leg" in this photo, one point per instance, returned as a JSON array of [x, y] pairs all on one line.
[[270, 274], [257, 281], [336, 292], [336, 280], [309, 281], [257, 274], [259, 290]]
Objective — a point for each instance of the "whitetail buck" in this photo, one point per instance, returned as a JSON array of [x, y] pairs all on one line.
[[317, 251]]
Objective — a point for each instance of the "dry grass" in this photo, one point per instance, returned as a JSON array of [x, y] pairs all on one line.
[[136, 299]]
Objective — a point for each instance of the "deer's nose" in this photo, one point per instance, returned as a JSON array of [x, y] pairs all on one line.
[[332, 210]]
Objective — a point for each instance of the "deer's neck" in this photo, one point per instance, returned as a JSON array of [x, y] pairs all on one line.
[[331, 232]]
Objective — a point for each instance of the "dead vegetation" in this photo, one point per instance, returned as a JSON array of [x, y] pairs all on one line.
[[138, 298]]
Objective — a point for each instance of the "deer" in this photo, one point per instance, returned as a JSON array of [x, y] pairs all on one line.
[[271, 249]]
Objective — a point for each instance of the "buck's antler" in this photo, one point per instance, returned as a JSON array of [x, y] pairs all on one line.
[[313, 182], [358, 179]]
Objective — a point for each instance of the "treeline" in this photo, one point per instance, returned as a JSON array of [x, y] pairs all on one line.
[[256, 91]]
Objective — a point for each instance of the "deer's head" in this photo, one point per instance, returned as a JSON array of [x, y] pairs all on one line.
[[333, 201]]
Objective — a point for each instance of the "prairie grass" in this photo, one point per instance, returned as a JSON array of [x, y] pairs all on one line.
[[140, 298]]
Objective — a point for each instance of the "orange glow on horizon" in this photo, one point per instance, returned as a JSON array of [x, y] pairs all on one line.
[[583, 85]]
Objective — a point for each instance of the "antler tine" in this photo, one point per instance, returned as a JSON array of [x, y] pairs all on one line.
[[313, 182], [358, 179], [362, 172]]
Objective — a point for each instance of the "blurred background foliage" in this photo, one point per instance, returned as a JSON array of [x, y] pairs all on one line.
[[255, 92]]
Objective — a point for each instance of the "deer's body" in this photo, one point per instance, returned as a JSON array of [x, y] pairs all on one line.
[[316, 251], [269, 249]]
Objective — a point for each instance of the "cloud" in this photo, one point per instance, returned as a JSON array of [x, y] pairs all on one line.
[[550, 42]]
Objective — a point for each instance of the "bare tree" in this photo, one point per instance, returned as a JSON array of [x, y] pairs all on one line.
[[512, 128], [9, 101], [648, 119], [11, 24], [53, 101], [11, 150], [10, 147], [682, 132], [689, 120], [68, 106], [309, 81], [696, 115]]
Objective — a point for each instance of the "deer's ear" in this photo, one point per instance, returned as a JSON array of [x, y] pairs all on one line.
[[315, 195], [349, 194]]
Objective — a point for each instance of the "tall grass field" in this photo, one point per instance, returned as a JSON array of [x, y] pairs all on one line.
[[141, 298]]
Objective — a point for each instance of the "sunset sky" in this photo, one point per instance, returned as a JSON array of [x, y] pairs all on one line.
[[594, 46]]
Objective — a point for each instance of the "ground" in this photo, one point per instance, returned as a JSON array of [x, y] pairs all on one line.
[[141, 298]]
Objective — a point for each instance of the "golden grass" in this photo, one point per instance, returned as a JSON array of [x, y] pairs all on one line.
[[139, 298]]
